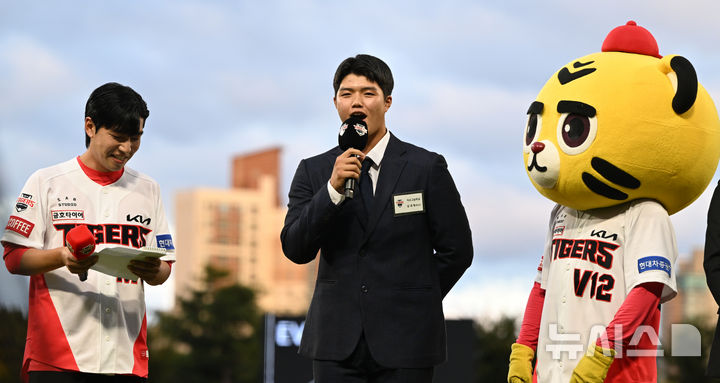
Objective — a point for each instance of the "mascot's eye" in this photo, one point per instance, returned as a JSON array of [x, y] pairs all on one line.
[[576, 132], [533, 128]]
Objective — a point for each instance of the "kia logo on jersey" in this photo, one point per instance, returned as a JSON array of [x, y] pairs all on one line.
[[139, 219], [603, 234]]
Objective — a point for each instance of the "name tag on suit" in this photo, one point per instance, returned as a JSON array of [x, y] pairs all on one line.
[[409, 203]]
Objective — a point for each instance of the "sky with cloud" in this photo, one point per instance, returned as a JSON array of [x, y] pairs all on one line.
[[228, 77]]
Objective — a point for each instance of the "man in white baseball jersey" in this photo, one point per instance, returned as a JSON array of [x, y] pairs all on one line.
[[92, 330]]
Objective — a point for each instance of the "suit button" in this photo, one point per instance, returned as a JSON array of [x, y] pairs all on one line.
[[362, 252], [364, 289]]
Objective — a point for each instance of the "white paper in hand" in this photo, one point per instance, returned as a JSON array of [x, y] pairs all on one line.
[[114, 260]]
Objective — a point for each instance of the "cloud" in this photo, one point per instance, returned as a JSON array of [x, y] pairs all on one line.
[[476, 109], [493, 287], [507, 219], [481, 124], [690, 223], [436, 24], [203, 18], [33, 75], [282, 98], [490, 299]]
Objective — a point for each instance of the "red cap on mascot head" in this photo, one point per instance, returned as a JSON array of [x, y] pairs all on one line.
[[631, 38]]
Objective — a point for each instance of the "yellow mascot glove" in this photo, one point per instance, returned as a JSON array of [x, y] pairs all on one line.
[[593, 368], [520, 370]]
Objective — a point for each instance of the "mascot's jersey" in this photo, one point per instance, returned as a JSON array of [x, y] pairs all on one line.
[[96, 326], [592, 260]]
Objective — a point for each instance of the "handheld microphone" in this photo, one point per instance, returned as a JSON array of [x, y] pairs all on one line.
[[81, 243], [353, 134]]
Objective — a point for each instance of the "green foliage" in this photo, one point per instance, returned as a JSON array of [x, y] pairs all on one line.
[[214, 335], [685, 369], [492, 354], [12, 339]]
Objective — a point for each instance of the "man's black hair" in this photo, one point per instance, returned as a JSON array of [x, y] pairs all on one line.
[[116, 107], [368, 66]]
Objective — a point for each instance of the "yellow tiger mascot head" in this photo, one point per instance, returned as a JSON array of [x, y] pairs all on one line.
[[623, 124]]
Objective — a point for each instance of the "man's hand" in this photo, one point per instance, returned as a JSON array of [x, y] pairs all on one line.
[[520, 370], [347, 165], [76, 266], [593, 368], [149, 269]]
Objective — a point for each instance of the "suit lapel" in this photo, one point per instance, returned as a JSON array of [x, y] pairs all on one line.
[[392, 165]]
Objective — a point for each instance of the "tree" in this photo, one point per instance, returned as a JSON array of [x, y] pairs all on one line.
[[12, 339], [493, 352], [684, 369], [214, 335]]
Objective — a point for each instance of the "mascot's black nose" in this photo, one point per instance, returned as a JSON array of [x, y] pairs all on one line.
[[537, 147]]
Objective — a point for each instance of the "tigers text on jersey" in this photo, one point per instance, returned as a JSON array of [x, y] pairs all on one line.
[[592, 260], [96, 326]]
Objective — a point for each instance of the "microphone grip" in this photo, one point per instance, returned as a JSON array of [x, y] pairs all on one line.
[[350, 185], [349, 188]]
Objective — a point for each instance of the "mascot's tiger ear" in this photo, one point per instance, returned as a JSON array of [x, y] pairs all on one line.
[[632, 38], [684, 80]]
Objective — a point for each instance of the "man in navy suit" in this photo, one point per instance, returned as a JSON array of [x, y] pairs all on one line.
[[711, 265], [388, 256]]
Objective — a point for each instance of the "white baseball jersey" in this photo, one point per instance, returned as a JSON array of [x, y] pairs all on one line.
[[96, 326], [592, 260]]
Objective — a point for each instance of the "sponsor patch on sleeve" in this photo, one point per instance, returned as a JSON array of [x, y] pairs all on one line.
[[20, 226], [164, 241], [23, 202], [654, 263]]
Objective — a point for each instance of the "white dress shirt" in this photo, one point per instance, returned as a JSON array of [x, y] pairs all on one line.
[[376, 154]]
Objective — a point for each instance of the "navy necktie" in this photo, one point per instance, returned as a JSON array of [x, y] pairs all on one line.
[[366, 186]]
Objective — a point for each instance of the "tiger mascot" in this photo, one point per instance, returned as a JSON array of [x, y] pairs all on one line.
[[620, 140]]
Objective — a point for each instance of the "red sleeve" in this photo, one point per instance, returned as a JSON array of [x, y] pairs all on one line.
[[531, 320], [633, 312], [12, 254]]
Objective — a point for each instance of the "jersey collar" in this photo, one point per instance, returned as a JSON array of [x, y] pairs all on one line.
[[101, 178]]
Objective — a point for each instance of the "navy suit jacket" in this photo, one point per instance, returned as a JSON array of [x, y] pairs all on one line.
[[379, 273], [712, 274]]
